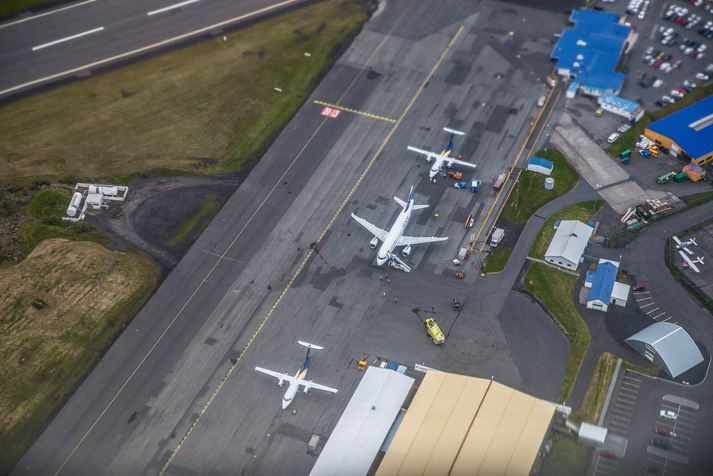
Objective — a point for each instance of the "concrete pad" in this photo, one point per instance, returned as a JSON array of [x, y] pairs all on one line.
[[628, 194], [592, 163]]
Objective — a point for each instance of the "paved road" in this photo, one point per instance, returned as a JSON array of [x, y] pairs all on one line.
[[77, 38], [178, 386], [644, 258]]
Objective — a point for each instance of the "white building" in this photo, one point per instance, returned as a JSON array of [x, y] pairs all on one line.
[[568, 244], [630, 110]]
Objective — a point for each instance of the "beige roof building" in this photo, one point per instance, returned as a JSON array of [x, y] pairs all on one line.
[[467, 425]]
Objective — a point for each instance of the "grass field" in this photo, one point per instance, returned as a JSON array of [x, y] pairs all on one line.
[[530, 193], [206, 108], [567, 458], [580, 211], [198, 221], [629, 138], [597, 389], [496, 260], [698, 199], [10, 7], [555, 290], [59, 309]]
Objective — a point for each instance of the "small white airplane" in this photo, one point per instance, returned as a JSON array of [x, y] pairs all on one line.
[[395, 236], [444, 158], [683, 245], [299, 378], [692, 262]]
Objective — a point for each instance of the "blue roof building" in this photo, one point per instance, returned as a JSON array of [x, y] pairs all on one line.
[[620, 106], [589, 52], [540, 165], [604, 289], [686, 133]]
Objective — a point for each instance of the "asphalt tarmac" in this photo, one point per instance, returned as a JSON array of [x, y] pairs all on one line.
[[283, 261], [75, 39]]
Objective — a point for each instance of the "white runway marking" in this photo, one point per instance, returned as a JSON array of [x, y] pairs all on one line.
[[73, 37], [39, 15], [171, 7]]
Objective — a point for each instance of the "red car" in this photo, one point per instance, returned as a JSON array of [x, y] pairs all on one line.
[[607, 454], [664, 431], [639, 287]]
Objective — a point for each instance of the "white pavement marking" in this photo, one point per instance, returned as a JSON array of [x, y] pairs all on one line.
[[152, 46], [665, 320], [653, 310], [642, 292], [171, 7], [659, 315], [73, 37], [34, 17], [647, 305], [644, 299]]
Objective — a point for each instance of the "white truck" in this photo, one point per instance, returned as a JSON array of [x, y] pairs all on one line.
[[496, 237]]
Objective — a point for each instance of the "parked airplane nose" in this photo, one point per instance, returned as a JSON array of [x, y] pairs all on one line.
[[285, 403], [381, 260]]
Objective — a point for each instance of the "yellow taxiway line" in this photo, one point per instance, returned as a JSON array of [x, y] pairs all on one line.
[[354, 111]]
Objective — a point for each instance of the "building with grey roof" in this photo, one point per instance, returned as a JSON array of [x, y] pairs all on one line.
[[357, 438], [668, 346], [568, 244]]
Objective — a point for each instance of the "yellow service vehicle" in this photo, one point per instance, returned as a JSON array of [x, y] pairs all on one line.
[[434, 331]]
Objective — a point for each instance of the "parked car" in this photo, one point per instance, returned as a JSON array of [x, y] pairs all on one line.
[[607, 454], [612, 138], [669, 414], [664, 431], [661, 443], [639, 287]]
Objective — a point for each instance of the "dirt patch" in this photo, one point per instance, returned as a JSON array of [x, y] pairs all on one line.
[[157, 207]]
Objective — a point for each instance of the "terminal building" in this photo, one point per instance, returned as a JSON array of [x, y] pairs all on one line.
[[588, 53], [687, 134]]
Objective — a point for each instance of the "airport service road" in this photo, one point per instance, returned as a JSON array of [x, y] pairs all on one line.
[[76, 38], [177, 391]]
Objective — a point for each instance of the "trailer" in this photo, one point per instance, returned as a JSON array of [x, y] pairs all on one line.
[[498, 184]]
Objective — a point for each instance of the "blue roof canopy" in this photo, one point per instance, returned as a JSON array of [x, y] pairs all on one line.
[[602, 282], [541, 162], [591, 50], [619, 102], [691, 127]]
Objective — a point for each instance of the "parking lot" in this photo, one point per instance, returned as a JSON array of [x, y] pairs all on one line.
[[672, 436]]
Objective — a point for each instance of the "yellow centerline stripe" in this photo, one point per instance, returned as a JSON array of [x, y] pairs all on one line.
[[224, 254], [308, 255], [482, 246], [507, 178], [354, 111]]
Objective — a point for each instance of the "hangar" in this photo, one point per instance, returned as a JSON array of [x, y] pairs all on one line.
[[357, 438], [668, 346], [468, 425], [687, 134]]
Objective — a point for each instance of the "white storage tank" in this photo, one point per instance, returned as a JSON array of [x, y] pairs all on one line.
[[74, 204], [549, 183], [111, 191], [93, 189]]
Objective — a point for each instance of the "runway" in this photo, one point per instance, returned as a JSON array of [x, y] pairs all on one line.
[[177, 392], [78, 38]]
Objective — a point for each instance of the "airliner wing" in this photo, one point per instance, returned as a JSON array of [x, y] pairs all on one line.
[[460, 162], [417, 240], [308, 385], [373, 229], [277, 375]]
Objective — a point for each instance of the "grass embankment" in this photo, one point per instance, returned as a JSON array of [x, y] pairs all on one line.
[[10, 7], [206, 108], [567, 457], [497, 259], [58, 310], [580, 211], [555, 290], [628, 139], [530, 193], [198, 221], [593, 402], [697, 199]]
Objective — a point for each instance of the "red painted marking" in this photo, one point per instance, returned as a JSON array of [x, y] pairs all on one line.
[[330, 112]]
